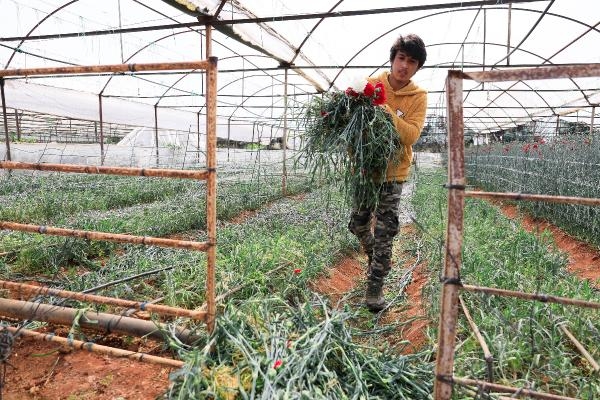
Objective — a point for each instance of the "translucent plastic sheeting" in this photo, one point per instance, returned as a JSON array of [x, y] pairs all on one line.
[[319, 45], [85, 106]]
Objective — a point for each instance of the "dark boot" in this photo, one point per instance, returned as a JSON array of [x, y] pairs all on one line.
[[374, 299]]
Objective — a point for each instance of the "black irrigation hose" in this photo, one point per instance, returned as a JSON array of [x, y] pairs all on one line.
[[130, 278]]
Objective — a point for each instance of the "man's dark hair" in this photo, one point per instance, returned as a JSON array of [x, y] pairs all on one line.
[[412, 45]]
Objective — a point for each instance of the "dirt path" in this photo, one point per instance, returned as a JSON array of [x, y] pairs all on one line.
[[584, 260]]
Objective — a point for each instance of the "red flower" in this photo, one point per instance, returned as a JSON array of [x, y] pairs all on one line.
[[324, 114], [379, 98], [297, 271], [351, 92], [526, 148], [277, 364], [369, 89]]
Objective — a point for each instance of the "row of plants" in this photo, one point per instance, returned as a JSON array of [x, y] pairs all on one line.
[[563, 166], [529, 348], [137, 206]]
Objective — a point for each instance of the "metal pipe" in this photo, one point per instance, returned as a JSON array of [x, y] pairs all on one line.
[[551, 72], [101, 118], [110, 237], [17, 124], [284, 136], [94, 169], [544, 298], [534, 197], [6, 135], [156, 134], [97, 348], [519, 392], [509, 28], [487, 354], [107, 323], [211, 183], [580, 347], [279, 18], [92, 298], [84, 69]]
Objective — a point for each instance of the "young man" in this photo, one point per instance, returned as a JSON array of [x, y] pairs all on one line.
[[407, 104]]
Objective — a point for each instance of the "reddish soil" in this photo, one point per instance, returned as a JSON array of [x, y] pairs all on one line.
[[350, 271], [584, 260], [46, 370]]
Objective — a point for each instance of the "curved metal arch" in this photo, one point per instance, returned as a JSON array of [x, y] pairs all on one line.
[[185, 75], [506, 90], [129, 58], [40, 22], [493, 101], [452, 11], [480, 120], [500, 45], [139, 51], [189, 72], [309, 34], [241, 105]]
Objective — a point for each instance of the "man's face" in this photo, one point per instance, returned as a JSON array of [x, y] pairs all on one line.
[[404, 67]]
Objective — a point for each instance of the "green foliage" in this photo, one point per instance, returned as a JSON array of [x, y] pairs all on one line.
[[349, 139], [268, 348], [524, 337], [566, 166]]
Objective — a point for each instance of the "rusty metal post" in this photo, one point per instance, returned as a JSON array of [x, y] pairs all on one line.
[[6, 135], [17, 124], [211, 183], [101, 129], [451, 278], [508, 33], [284, 136], [592, 120], [198, 137], [156, 134]]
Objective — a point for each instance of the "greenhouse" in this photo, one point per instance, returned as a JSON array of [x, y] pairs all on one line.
[[177, 179]]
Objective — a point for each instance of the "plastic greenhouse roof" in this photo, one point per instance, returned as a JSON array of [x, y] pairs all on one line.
[[320, 45]]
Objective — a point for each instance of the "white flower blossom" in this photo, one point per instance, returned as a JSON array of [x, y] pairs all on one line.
[[358, 83]]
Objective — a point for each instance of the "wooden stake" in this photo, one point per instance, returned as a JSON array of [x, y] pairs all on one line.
[[581, 349]]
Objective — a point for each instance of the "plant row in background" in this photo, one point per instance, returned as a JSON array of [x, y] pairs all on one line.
[[525, 338], [136, 206], [563, 166]]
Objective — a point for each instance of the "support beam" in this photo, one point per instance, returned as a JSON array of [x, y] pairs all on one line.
[[103, 322], [97, 348]]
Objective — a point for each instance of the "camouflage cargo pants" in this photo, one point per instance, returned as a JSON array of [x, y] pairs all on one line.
[[377, 242]]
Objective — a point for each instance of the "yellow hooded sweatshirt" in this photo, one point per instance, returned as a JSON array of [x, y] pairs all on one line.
[[408, 107]]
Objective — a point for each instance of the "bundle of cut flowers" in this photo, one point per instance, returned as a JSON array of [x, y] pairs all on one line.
[[350, 138]]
